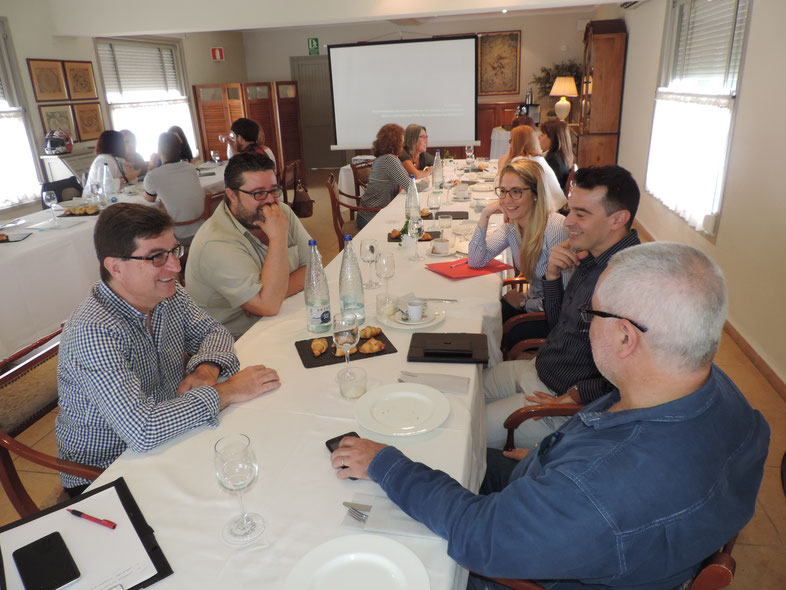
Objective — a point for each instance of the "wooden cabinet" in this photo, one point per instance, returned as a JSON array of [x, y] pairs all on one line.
[[600, 103], [274, 105]]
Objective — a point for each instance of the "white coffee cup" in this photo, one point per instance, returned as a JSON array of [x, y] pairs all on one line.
[[415, 309], [440, 246]]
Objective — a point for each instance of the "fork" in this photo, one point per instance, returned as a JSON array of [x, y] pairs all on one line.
[[357, 514]]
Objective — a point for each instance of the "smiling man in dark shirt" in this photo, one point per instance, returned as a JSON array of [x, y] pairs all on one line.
[[602, 206]]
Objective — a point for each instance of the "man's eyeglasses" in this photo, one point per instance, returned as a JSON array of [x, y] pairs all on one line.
[[160, 258], [587, 312], [514, 193], [274, 192]]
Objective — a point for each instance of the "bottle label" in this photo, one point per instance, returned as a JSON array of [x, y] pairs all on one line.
[[319, 315]]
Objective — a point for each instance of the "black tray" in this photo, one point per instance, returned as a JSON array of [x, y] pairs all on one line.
[[328, 358], [434, 235]]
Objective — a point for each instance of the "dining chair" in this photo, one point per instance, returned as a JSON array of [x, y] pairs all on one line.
[[717, 571], [28, 391], [65, 190], [341, 227], [527, 347]]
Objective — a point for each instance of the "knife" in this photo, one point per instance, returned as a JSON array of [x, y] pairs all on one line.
[[356, 506], [12, 223], [437, 299]]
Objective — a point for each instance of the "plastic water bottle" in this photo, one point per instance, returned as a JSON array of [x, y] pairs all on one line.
[[107, 188], [350, 284], [316, 292], [412, 205], [436, 174]]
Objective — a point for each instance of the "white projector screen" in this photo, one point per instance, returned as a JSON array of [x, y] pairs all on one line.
[[428, 82]]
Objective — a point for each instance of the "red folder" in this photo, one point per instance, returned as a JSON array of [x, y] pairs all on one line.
[[463, 271]]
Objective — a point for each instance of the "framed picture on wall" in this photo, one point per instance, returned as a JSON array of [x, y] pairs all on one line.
[[58, 116], [79, 76], [48, 80], [88, 120], [499, 62]]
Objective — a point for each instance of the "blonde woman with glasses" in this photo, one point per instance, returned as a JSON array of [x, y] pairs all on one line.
[[531, 229]]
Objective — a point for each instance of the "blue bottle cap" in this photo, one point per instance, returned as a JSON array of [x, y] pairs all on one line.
[[312, 242], [347, 238], [412, 176]]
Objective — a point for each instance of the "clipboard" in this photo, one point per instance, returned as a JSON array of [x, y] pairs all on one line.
[[142, 529]]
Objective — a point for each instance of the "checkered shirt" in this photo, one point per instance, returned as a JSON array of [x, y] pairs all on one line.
[[118, 383]]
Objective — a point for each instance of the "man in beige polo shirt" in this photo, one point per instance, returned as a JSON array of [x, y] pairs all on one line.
[[252, 252]]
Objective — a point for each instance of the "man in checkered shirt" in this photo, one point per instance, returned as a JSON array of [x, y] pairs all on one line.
[[139, 361]]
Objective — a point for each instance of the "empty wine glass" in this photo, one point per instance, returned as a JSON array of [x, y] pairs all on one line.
[[434, 202], [236, 469], [345, 334], [222, 138], [470, 153], [386, 267], [215, 156], [369, 252], [415, 231], [50, 199]]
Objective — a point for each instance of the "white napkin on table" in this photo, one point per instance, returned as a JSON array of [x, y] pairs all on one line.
[[386, 517], [445, 383]]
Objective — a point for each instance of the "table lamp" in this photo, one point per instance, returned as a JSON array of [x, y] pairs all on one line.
[[563, 86]]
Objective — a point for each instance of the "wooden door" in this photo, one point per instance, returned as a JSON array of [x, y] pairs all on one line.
[[213, 116], [288, 107], [234, 98], [260, 106]]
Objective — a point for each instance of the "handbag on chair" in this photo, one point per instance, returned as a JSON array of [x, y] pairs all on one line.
[[302, 203]]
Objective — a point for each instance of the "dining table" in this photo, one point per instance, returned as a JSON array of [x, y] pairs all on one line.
[[297, 490], [47, 274]]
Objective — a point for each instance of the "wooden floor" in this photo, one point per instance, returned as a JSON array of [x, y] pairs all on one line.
[[761, 548]]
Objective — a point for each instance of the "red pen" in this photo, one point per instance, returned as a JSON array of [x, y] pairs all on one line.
[[102, 521]]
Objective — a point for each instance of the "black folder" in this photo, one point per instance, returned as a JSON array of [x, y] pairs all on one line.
[[448, 348]]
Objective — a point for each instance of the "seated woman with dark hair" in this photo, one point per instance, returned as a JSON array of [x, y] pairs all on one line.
[[175, 184], [555, 141], [185, 149], [414, 157], [132, 158], [387, 176], [110, 150]]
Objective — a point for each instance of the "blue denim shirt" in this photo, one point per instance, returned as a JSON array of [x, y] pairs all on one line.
[[631, 499]]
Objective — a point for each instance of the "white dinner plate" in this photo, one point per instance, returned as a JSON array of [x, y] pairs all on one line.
[[437, 316], [359, 562], [482, 187], [402, 409]]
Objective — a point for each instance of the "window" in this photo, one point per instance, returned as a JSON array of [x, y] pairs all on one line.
[[694, 107], [18, 175], [145, 91]]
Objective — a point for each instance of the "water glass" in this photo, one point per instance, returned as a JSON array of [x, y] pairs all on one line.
[[434, 202], [369, 252], [345, 333], [415, 231], [50, 199], [215, 156], [470, 153], [386, 267], [351, 384]]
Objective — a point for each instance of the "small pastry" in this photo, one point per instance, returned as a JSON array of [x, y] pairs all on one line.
[[90, 209], [427, 237], [370, 332], [372, 346], [340, 351], [425, 212], [3, 237], [318, 346], [395, 234]]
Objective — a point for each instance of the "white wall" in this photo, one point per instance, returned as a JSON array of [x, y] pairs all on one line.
[[751, 242], [545, 39]]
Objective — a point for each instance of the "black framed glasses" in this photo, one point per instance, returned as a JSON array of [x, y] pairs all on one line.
[[587, 312], [160, 258], [274, 192], [514, 193]]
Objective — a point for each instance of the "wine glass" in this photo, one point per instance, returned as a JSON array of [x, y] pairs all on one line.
[[386, 267], [369, 252], [50, 199], [470, 153], [236, 469], [415, 231], [434, 202], [215, 156], [345, 334], [222, 138]]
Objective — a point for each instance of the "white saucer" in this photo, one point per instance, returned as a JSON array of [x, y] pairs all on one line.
[[450, 253]]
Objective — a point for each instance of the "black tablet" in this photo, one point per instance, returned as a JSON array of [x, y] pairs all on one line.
[[46, 564]]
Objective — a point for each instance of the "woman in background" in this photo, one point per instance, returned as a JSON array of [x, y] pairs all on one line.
[[185, 149], [133, 159], [414, 157], [555, 141], [110, 150], [387, 176], [524, 144]]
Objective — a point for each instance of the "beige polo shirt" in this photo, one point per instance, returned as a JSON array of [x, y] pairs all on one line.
[[225, 262]]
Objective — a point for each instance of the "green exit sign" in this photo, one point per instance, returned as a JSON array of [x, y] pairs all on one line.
[[313, 46]]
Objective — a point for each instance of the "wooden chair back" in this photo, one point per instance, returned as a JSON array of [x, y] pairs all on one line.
[[360, 172], [340, 226]]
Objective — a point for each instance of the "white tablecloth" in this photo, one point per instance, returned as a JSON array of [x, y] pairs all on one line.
[[45, 276], [346, 184], [500, 142], [297, 491]]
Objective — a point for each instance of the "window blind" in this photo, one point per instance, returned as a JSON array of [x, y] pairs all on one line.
[[708, 47], [139, 72]]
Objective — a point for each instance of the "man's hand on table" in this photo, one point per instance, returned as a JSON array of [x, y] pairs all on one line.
[[563, 258], [247, 384], [204, 374], [356, 454]]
